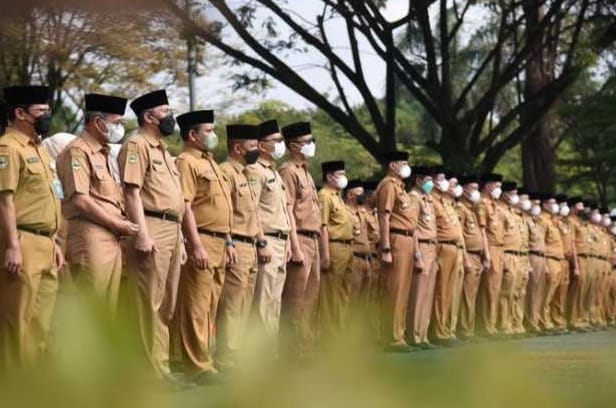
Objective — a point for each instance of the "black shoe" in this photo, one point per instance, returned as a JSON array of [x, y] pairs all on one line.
[[178, 382], [443, 342], [209, 378]]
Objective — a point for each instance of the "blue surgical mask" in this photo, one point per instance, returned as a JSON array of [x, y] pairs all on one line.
[[427, 186]]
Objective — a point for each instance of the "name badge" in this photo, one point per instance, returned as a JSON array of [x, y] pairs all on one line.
[[56, 185]]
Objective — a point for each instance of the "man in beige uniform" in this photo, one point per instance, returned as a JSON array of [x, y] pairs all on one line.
[[519, 291], [29, 219], [273, 214], [603, 258], [301, 291], [424, 279], [336, 251], [554, 256], [536, 256], [250, 245], [569, 264], [398, 250], [475, 251], [578, 319], [492, 221], [592, 265], [207, 227], [450, 259], [362, 249], [514, 257], [94, 205], [155, 202], [373, 285]]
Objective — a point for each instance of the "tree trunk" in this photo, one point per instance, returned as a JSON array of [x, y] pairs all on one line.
[[538, 155]]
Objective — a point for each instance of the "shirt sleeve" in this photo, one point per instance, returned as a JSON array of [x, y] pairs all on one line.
[[325, 204], [290, 187], [10, 164], [133, 161], [259, 177], [188, 178], [74, 171], [386, 198], [482, 215]]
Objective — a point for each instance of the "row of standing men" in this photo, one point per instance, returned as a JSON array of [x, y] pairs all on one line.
[[205, 244]]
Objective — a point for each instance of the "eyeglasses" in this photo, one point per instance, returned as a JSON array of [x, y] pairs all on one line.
[[311, 140], [40, 110]]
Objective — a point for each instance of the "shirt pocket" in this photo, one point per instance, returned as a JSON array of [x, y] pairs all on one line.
[[211, 186]]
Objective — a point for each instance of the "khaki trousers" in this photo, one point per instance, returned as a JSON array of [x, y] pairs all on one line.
[[552, 280], [536, 289], [449, 263], [592, 292], [300, 300], [396, 285], [611, 310], [335, 291], [268, 291], [193, 322], [489, 291], [519, 296], [235, 303], [578, 296], [457, 293], [559, 302], [511, 274], [94, 256], [422, 295], [27, 301], [470, 288], [155, 279], [604, 290]]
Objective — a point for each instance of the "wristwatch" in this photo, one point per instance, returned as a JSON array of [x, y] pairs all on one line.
[[230, 243], [386, 250], [261, 243]]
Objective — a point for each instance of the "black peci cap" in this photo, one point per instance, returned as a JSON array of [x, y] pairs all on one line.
[[149, 101]]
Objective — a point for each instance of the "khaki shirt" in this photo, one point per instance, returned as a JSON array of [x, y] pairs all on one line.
[[245, 218], [536, 231], [525, 219], [567, 231], [372, 227], [301, 196], [204, 186], [390, 197], [361, 240], [582, 235], [271, 195], [553, 240], [491, 217], [145, 162], [512, 235], [84, 168], [471, 231], [426, 220], [335, 215], [447, 220], [26, 171]]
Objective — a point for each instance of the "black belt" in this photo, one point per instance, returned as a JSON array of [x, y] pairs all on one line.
[[407, 233], [427, 241], [244, 239], [212, 233], [555, 258], [585, 256], [35, 231], [451, 242], [280, 235], [536, 253], [309, 234], [162, 216], [342, 241], [518, 253], [365, 257], [478, 253]]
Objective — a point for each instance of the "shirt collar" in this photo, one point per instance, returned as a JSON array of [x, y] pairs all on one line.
[[22, 138], [198, 153], [153, 140], [267, 163], [94, 145], [237, 166]]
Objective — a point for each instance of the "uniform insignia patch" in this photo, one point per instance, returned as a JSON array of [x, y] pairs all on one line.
[[75, 165], [32, 160], [252, 180], [132, 158], [157, 162], [4, 162]]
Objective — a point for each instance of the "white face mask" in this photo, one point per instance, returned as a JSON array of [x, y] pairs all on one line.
[[457, 191], [554, 208], [405, 171], [607, 222], [342, 182], [535, 211], [496, 193], [211, 141], [514, 200], [596, 218], [613, 230], [526, 205], [279, 150], [564, 211], [115, 132], [309, 150], [443, 185], [475, 196]]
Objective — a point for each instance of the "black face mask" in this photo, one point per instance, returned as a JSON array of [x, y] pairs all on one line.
[[251, 156], [584, 215], [42, 124], [361, 199], [166, 125]]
